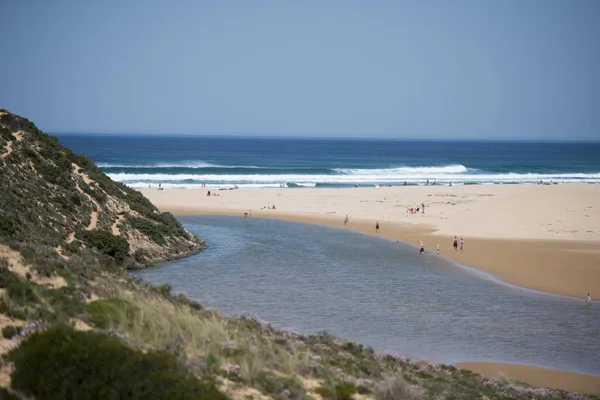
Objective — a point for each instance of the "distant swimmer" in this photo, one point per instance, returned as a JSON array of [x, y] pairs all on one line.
[[588, 300], [438, 248], [377, 227], [455, 244], [346, 220], [422, 250]]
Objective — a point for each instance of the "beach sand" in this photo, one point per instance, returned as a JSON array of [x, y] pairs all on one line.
[[542, 377], [543, 237]]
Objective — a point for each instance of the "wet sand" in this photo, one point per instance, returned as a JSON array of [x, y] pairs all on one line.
[[537, 376]]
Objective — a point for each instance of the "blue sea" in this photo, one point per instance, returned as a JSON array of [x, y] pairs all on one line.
[[190, 161]]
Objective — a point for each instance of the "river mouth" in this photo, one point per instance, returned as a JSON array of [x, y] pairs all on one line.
[[313, 278]]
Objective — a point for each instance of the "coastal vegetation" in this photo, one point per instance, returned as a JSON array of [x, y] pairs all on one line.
[[75, 324]]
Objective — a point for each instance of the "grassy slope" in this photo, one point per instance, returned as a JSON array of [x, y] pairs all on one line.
[[56, 269]]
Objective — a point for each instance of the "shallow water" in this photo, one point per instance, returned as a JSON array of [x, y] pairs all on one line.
[[380, 293]]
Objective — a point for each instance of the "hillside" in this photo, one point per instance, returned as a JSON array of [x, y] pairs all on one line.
[[75, 324], [55, 198]]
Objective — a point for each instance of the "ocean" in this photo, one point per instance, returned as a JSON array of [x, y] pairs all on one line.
[[190, 161]]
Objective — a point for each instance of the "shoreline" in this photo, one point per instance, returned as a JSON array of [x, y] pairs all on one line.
[[539, 264], [507, 234]]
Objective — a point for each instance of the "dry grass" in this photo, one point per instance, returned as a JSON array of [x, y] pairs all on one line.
[[204, 336]]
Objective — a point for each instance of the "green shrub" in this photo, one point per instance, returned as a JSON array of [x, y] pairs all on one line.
[[273, 384], [164, 289], [22, 292], [73, 247], [105, 313], [76, 199], [6, 134], [8, 226], [67, 364], [10, 331], [63, 304], [149, 229], [12, 310], [105, 242], [341, 391], [7, 276]]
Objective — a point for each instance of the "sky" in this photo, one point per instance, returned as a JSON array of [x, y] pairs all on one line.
[[398, 69]]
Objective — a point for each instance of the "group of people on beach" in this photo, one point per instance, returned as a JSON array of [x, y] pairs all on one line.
[[455, 244], [413, 210]]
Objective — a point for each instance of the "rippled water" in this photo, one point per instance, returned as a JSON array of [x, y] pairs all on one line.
[[381, 293]]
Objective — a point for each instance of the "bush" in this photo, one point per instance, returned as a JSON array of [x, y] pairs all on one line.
[[67, 364], [8, 226], [6, 134], [104, 313], [7, 276], [341, 391], [276, 385], [22, 292], [62, 304], [149, 229], [10, 331], [105, 242], [164, 289], [73, 247], [393, 388]]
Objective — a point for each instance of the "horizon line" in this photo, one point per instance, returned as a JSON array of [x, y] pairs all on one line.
[[357, 138]]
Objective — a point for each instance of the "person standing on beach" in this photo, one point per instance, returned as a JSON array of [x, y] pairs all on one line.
[[346, 220], [422, 250], [588, 300], [423, 207], [377, 227], [455, 244], [438, 248], [461, 243]]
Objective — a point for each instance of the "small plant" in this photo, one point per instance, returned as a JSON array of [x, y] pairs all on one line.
[[164, 289], [10, 331], [341, 391], [394, 387], [105, 313], [64, 363], [280, 386]]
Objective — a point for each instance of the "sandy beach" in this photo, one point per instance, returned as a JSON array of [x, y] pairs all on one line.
[[543, 237]]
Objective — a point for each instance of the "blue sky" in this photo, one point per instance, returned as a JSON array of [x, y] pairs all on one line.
[[421, 69]]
